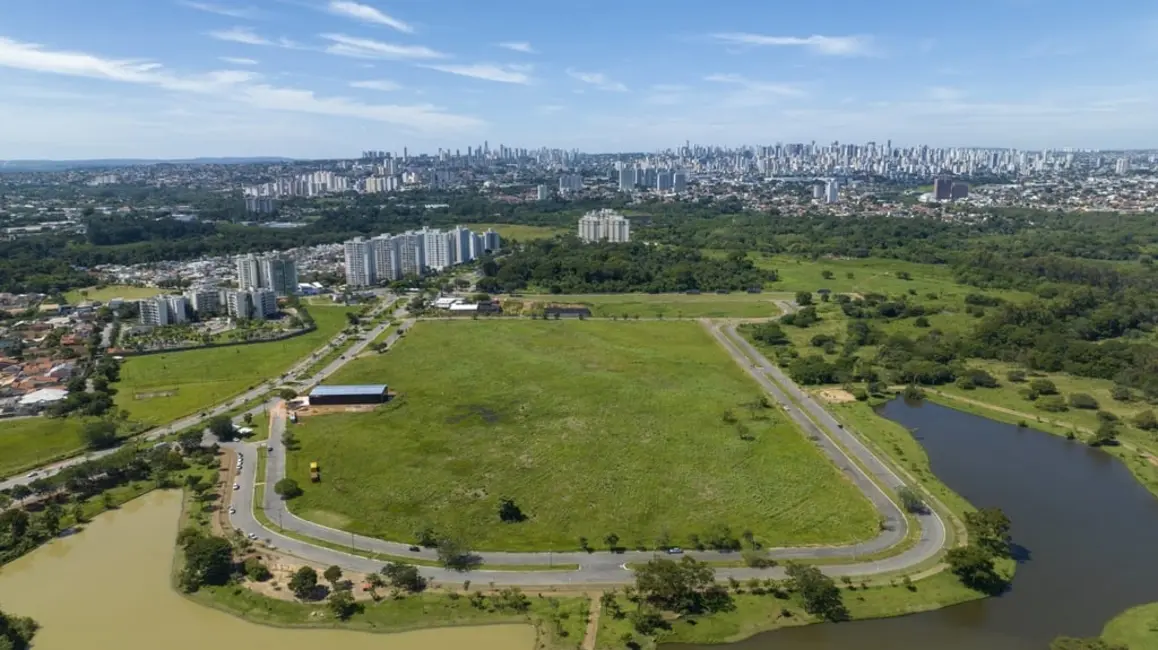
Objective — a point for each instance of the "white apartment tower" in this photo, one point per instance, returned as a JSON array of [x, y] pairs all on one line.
[[248, 272], [387, 257], [162, 310], [439, 249], [679, 182], [359, 263], [604, 225], [204, 300]]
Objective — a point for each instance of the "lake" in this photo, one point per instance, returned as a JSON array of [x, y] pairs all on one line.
[[1086, 530]]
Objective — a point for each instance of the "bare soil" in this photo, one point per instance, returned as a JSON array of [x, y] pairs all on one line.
[[836, 395]]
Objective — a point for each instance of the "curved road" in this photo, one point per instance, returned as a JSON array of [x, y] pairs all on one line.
[[605, 568]]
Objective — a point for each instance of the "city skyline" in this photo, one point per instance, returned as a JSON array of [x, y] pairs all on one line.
[[184, 78]]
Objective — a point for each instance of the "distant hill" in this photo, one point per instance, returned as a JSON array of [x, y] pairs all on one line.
[[61, 165]]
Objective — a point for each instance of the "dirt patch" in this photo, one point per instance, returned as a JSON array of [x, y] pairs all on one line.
[[308, 411], [155, 394], [464, 412], [836, 395]]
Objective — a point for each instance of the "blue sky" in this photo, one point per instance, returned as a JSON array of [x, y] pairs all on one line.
[[329, 78]]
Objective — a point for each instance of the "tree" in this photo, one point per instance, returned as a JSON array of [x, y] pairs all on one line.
[[1121, 393], [404, 576], [21, 491], [509, 512], [16, 632], [1015, 376], [333, 574], [189, 440], [255, 570], [819, 593], [342, 604], [1145, 420], [1043, 387], [612, 541], [826, 274], [1083, 401], [100, 434], [248, 419], [1105, 435], [684, 586], [51, 517], [804, 298], [911, 500], [974, 567], [304, 582], [989, 529], [208, 561], [222, 427], [287, 489], [455, 554]]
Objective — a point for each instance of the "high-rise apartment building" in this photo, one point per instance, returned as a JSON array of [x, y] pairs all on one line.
[[627, 179], [959, 190], [831, 191], [570, 183], [359, 263], [679, 182], [248, 272], [204, 300], [278, 273], [604, 225], [387, 257], [260, 204], [663, 181], [439, 249], [251, 304], [491, 241], [942, 188], [462, 245], [542, 193], [164, 310]]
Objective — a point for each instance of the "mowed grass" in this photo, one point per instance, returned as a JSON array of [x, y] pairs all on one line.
[[105, 294], [27, 442], [159, 388], [591, 427], [664, 305], [1136, 628], [508, 231]]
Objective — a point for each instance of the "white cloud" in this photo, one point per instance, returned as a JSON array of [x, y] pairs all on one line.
[[486, 72], [225, 85], [230, 12], [243, 35], [518, 46], [237, 60], [827, 45], [599, 80], [376, 84], [945, 94], [784, 90], [365, 48], [367, 14]]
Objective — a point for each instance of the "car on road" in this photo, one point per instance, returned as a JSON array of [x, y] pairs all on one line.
[[236, 486], [33, 474], [253, 535], [675, 550], [232, 510]]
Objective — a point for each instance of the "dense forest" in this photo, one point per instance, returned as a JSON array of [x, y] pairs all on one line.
[[566, 265]]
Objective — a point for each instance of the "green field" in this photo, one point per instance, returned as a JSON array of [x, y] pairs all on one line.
[[159, 388], [104, 294], [592, 427], [28, 442], [1136, 628], [662, 305], [508, 231]]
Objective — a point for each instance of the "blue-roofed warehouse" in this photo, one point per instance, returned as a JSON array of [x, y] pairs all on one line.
[[355, 394]]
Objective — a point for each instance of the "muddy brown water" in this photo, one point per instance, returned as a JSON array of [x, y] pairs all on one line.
[[1085, 530], [108, 587]]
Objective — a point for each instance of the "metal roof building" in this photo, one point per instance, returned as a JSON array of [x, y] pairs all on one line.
[[352, 394]]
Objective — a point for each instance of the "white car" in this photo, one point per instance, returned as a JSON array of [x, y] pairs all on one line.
[[236, 486], [232, 510], [253, 535]]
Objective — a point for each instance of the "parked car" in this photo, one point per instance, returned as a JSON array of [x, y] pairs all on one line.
[[236, 486], [675, 550]]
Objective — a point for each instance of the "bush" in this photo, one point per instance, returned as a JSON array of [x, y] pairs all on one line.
[[1146, 420], [860, 394], [1052, 404], [913, 393], [757, 559], [287, 489], [255, 570], [1107, 434], [921, 321], [1121, 394], [1106, 416], [911, 500], [1083, 401], [1043, 387], [1015, 376]]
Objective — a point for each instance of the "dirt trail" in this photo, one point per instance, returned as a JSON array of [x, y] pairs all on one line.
[[592, 623]]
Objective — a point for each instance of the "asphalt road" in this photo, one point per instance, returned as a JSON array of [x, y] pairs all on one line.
[[224, 407], [604, 568]]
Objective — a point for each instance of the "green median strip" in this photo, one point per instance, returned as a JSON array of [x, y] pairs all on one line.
[[259, 514]]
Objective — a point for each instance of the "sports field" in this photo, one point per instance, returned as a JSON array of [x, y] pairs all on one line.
[[508, 231], [159, 388], [592, 428], [659, 305], [27, 442]]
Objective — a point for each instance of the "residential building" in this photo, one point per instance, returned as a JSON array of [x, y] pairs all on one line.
[[627, 179], [204, 300], [163, 310], [959, 190], [942, 188], [359, 263], [264, 302], [663, 181], [543, 193], [412, 253], [604, 225], [248, 272], [570, 183], [257, 303], [491, 240], [679, 182], [278, 273], [260, 204], [818, 191], [387, 257], [462, 245], [438, 249]]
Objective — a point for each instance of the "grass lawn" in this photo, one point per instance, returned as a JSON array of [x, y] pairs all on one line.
[[592, 427], [159, 388], [104, 294], [520, 232], [30, 442], [1136, 628], [663, 305]]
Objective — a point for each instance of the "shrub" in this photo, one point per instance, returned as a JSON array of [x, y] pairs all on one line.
[[1121, 394], [1015, 376], [1043, 387], [921, 321], [287, 489], [1146, 420], [255, 570], [1052, 404], [1106, 416], [1083, 401], [860, 394]]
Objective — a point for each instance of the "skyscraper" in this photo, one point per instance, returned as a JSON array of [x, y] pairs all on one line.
[[942, 188], [679, 182], [831, 191], [627, 179], [543, 193], [278, 273], [387, 257], [359, 263]]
